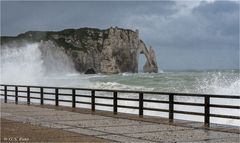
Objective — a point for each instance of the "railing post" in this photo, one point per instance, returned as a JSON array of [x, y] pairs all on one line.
[[56, 96], [28, 95], [73, 98], [5, 94], [93, 100], [171, 107], [140, 104], [41, 94], [16, 95], [115, 102], [207, 108]]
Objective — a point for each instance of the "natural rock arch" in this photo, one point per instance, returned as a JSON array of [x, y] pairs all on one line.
[[151, 62]]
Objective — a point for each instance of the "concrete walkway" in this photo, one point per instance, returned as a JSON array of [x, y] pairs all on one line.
[[12, 131], [111, 128]]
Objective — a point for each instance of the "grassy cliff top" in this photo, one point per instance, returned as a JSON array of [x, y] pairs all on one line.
[[37, 36]]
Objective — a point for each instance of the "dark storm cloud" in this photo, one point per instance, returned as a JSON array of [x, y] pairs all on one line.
[[203, 26], [222, 15], [203, 36], [217, 7], [23, 16]]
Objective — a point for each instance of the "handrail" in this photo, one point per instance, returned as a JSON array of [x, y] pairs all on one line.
[[56, 93]]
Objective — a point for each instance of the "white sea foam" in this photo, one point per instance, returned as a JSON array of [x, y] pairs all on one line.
[[147, 75], [21, 65], [219, 83], [30, 64], [118, 86]]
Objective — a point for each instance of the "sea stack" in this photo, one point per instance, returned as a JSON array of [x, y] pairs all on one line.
[[112, 50]]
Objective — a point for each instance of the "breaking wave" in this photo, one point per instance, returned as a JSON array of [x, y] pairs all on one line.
[[33, 63], [117, 86], [227, 83]]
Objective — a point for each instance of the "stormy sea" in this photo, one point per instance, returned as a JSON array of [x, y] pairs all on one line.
[[25, 65]]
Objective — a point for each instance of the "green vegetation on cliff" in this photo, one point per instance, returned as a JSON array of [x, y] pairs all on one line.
[[74, 39]]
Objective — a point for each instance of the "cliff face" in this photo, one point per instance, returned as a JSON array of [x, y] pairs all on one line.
[[112, 50]]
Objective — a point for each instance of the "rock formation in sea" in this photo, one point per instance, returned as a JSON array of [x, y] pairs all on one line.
[[92, 50]]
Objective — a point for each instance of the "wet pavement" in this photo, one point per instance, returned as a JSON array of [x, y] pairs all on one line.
[[114, 127]]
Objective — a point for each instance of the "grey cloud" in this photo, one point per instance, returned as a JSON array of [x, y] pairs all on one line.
[[217, 7], [222, 16], [74, 14], [191, 30]]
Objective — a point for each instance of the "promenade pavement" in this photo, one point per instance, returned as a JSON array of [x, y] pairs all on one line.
[[117, 128]]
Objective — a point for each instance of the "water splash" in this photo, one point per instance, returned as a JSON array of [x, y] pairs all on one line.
[[219, 83], [21, 65], [33, 63], [55, 59]]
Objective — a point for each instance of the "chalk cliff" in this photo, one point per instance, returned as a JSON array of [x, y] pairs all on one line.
[[112, 50]]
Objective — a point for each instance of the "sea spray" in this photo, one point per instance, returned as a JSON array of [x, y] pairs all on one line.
[[225, 82], [21, 65], [33, 63], [55, 59]]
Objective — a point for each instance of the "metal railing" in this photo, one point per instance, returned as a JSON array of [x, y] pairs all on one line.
[[5, 89]]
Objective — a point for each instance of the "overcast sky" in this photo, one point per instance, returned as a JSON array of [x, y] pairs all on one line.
[[184, 34]]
